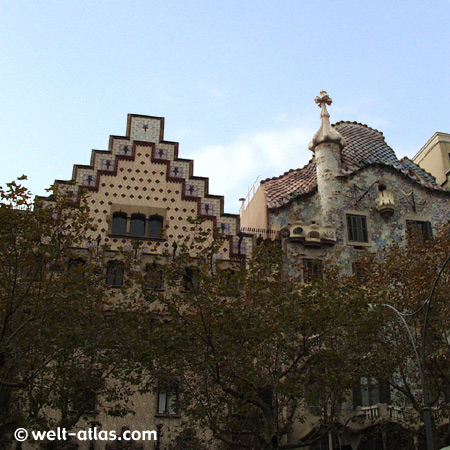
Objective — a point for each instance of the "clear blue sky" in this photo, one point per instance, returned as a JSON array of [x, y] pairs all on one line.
[[235, 80]]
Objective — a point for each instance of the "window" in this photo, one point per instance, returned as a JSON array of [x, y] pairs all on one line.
[[359, 271], [418, 230], [190, 279], [76, 267], [153, 277], [137, 225], [357, 228], [368, 391], [312, 269], [168, 402], [119, 223], [114, 274], [155, 226]]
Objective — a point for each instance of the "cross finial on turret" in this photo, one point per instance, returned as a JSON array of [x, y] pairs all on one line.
[[322, 99], [326, 132]]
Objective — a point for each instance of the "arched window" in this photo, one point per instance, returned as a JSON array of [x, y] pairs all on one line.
[[155, 226], [114, 274], [119, 223], [137, 225]]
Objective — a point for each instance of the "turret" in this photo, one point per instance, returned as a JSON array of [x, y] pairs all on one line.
[[326, 145]]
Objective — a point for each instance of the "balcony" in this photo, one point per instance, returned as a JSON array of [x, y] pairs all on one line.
[[309, 234]]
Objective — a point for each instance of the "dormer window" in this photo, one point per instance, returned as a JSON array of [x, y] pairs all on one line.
[[119, 223], [137, 225], [155, 226]]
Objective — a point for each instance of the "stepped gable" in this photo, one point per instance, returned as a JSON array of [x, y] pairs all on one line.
[[365, 146], [144, 145]]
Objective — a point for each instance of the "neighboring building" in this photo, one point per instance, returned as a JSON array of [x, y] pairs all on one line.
[[141, 195], [354, 194], [434, 157]]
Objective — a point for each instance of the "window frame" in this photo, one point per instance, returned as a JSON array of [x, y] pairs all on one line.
[[153, 285], [112, 267], [167, 402], [357, 243], [311, 274], [153, 219], [119, 215], [426, 233], [132, 212], [134, 219]]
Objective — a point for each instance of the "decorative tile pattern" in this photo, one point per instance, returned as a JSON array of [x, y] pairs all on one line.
[[207, 209], [89, 180], [239, 249], [161, 153], [191, 190], [145, 129], [131, 168], [224, 227], [70, 193], [176, 172], [107, 164], [125, 149]]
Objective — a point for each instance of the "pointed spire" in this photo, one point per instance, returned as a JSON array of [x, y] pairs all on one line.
[[326, 133]]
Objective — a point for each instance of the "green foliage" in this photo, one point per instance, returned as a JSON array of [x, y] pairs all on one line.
[[248, 344], [403, 277], [58, 349]]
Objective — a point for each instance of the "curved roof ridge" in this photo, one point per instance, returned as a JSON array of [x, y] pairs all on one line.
[[357, 123]]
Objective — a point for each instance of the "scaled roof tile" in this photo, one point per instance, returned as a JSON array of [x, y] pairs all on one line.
[[365, 146]]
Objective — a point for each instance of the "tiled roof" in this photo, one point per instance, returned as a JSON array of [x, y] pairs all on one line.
[[363, 143], [281, 190], [365, 146], [423, 174]]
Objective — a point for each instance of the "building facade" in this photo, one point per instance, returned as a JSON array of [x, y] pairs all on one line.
[[142, 199], [353, 195]]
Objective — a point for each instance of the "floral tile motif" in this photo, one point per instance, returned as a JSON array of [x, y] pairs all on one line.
[[239, 249], [69, 193], [107, 164], [125, 149], [89, 180], [191, 190], [207, 209], [224, 227], [161, 153], [176, 172]]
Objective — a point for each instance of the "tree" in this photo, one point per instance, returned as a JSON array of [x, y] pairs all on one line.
[[402, 277], [247, 344], [58, 341]]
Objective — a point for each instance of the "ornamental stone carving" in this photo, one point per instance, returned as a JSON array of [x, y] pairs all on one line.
[[326, 133]]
